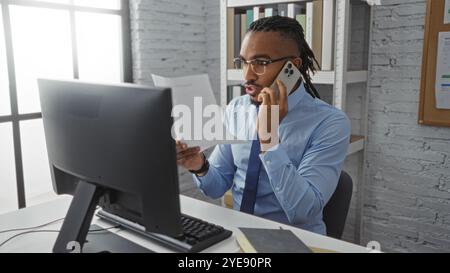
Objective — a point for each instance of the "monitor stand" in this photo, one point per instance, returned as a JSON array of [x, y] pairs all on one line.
[[75, 227]]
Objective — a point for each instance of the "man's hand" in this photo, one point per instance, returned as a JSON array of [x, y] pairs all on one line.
[[189, 158], [273, 106]]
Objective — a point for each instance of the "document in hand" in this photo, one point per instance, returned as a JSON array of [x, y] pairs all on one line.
[[194, 106]]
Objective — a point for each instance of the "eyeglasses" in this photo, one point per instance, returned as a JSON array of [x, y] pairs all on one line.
[[258, 65]]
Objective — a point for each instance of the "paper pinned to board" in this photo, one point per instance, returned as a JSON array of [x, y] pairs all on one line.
[[194, 94], [442, 88]]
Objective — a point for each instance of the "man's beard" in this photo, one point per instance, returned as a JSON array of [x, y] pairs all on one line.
[[255, 102]]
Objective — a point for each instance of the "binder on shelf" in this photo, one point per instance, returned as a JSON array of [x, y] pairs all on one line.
[[301, 18], [250, 17], [328, 35], [270, 11], [317, 30], [309, 23], [237, 36], [294, 9], [283, 9], [230, 38], [243, 27], [257, 13]]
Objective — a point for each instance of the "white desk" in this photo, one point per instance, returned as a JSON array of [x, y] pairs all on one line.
[[230, 219]]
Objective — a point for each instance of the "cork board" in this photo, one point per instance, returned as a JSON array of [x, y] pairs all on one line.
[[434, 24]]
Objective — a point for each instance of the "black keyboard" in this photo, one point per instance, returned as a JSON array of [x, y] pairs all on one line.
[[198, 234]]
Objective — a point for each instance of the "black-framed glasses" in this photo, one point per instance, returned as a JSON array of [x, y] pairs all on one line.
[[258, 65]]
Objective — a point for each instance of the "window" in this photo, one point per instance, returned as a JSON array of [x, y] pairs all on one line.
[[104, 4], [98, 53], [5, 106], [54, 1], [36, 170], [42, 49], [65, 39], [8, 192]]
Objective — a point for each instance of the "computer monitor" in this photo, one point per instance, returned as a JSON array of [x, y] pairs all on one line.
[[111, 145]]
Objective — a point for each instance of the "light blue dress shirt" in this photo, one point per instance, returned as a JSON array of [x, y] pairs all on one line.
[[299, 174]]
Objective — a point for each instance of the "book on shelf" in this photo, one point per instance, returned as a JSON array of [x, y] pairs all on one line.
[[258, 12], [237, 35], [316, 42], [270, 11], [243, 26], [294, 9], [249, 18], [327, 34], [309, 23], [282, 9], [230, 38]]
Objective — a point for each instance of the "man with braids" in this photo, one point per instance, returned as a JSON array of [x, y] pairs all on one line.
[[289, 176]]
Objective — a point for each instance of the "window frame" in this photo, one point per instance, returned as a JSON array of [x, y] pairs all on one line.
[[15, 118]]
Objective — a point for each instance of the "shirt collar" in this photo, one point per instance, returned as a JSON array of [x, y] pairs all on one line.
[[296, 96]]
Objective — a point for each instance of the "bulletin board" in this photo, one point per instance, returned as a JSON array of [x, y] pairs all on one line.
[[434, 105]]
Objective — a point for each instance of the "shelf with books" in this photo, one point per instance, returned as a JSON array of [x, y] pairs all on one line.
[[316, 18]]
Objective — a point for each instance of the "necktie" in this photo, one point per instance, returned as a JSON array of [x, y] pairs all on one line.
[[251, 178]]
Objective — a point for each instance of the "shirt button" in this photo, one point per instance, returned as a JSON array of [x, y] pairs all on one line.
[[268, 162]]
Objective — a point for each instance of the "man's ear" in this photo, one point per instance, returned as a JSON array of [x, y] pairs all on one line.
[[297, 62]]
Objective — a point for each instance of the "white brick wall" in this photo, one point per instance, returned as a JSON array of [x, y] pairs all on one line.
[[407, 205], [212, 8], [175, 38], [168, 38]]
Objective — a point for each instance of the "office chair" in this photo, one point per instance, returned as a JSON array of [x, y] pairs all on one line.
[[335, 211]]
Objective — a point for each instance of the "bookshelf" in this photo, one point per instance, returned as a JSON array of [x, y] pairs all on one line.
[[336, 73]]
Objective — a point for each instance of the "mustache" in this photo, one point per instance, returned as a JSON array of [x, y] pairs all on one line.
[[250, 83]]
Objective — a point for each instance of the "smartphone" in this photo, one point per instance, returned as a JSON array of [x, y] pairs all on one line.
[[289, 75]]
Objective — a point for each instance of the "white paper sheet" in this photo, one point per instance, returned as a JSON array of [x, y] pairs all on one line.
[[447, 12], [187, 91], [443, 72]]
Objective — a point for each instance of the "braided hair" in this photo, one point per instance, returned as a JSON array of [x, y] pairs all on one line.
[[291, 29]]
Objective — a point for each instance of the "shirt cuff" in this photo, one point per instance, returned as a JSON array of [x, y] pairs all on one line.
[[274, 159], [199, 180]]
